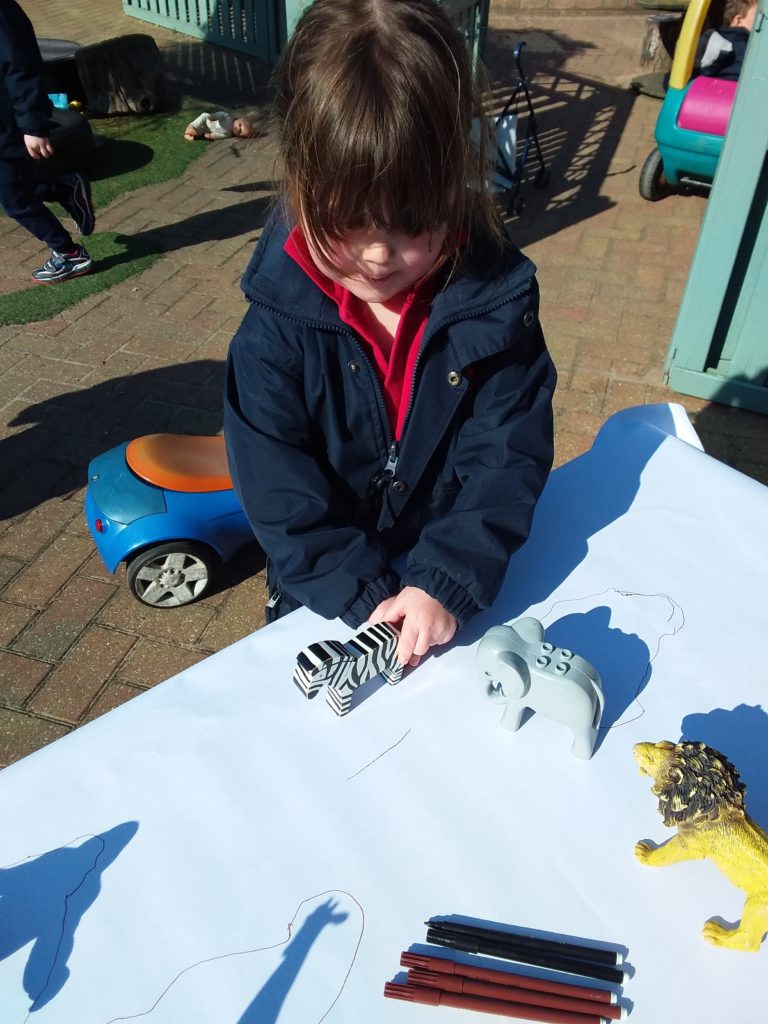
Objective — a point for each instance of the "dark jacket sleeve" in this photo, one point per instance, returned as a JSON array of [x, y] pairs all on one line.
[[25, 99], [502, 459], [298, 508]]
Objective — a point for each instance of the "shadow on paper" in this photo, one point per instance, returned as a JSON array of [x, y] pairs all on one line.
[[740, 733], [581, 498], [42, 901], [266, 1005], [623, 658], [309, 973]]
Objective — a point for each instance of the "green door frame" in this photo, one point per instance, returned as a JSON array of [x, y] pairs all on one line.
[[719, 348]]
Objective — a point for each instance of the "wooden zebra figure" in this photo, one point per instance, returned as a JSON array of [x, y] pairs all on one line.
[[345, 666]]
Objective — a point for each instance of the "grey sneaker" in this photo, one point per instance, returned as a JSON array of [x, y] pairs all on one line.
[[76, 200], [63, 265]]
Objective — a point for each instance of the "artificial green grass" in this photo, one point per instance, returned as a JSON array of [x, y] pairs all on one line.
[[135, 151], [115, 257], [139, 151]]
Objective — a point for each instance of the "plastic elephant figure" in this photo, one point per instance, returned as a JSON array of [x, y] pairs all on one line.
[[518, 667]]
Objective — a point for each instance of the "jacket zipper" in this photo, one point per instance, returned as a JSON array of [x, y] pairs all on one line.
[[381, 479], [273, 595], [392, 452]]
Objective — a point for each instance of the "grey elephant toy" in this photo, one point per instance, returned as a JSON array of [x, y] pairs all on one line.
[[517, 667]]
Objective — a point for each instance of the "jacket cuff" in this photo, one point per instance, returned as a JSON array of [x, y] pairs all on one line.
[[40, 126], [451, 595], [375, 592]]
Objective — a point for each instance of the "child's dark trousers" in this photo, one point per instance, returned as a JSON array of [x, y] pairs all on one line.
[[23, 197]]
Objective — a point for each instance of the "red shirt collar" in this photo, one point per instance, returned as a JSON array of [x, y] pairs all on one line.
[[395, 369]]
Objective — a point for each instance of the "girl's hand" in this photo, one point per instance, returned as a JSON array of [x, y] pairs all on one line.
[[38, 147], [422, 620]]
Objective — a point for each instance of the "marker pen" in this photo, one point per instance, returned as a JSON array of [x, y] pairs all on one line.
[[509, 951], [560, 947], [455, 983], [434, 997], [450, 967]]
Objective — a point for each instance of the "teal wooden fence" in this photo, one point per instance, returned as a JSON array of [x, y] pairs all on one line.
[[261, 27], [719, 348], [247, 25]]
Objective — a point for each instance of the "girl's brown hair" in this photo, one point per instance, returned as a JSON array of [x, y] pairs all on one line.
[[375, 101]]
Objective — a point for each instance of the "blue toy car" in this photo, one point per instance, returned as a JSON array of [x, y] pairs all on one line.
[[164, 504]]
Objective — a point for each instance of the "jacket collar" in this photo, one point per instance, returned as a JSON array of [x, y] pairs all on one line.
[[274, 279]]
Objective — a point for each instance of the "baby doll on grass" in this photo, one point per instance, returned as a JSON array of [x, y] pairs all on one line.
[[218, 125]]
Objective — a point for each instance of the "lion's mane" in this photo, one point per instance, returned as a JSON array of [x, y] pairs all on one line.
[[697, 782]]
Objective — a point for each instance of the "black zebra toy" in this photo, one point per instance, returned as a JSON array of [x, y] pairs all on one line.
[[342, 667]]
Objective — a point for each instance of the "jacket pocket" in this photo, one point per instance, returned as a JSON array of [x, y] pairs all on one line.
[[278, 602], [440, 502]]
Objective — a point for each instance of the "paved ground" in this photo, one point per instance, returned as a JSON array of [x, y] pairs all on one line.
[[148, 355]]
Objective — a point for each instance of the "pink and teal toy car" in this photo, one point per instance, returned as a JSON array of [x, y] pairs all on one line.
[[692, 121]]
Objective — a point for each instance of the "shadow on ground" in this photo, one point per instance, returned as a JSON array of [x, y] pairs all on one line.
[[238, 219], [731, 433], [247, 563], [215, 77], [49, 458], [579, 124], [118, 156]]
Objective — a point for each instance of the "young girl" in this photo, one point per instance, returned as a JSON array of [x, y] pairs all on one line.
[[389, 389]]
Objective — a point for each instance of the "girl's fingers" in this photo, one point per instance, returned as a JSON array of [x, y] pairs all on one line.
[[414, 643], [407, 645]]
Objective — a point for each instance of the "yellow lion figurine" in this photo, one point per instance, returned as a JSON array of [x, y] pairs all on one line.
[[699, 791]]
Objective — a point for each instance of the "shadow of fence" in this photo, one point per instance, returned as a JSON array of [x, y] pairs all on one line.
[[212, 75], [579, 124]]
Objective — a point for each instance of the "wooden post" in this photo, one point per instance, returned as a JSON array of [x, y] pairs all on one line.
[[124, 75], [659, 41]]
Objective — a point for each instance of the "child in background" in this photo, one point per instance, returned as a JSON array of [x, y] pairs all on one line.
[[218, 125], [389, 389], [722, 51], [26, 183]]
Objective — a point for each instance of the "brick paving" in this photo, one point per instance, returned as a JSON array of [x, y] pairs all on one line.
[[148, 354]]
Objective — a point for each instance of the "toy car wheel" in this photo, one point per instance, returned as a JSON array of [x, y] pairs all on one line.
[[653, 184], [170, 575]]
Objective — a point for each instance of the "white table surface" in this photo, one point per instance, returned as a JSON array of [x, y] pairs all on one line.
[[222, 850]]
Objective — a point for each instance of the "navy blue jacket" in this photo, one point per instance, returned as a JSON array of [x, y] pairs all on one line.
[[24, 106], [729, 65], [330, 495]]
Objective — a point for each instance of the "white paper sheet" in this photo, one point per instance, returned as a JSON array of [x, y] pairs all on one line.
[[222, 850]]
